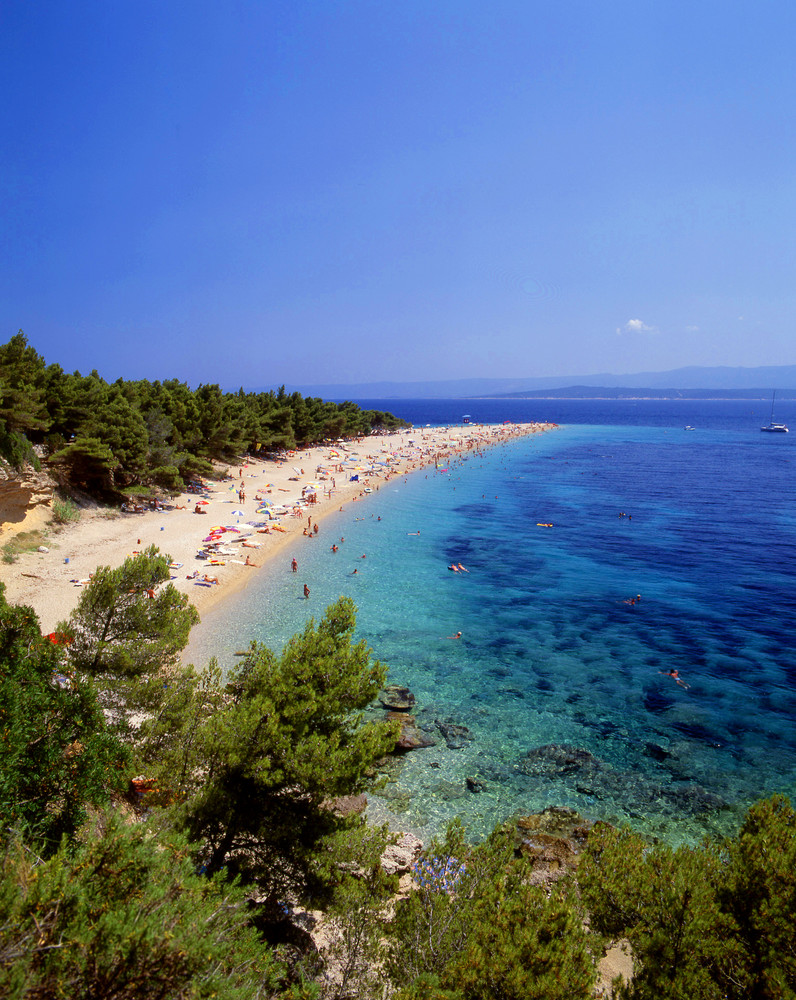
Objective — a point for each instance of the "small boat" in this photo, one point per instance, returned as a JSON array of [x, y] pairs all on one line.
[[771, 425], [688, 427]]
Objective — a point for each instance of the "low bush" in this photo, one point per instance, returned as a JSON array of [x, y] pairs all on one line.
[[65, 511]]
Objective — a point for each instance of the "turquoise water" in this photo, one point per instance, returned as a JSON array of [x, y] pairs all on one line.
[[550, 652]]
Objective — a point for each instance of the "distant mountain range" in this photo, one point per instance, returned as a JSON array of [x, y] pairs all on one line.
[[691, 383]]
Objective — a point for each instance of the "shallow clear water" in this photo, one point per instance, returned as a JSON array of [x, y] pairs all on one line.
[[550, 651]]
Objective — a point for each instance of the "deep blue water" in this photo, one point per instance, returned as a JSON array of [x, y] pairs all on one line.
[[551, 654]]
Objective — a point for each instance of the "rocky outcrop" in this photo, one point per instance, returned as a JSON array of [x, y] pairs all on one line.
[[22, 492], [399, 858], [410, 736], [553, 839], [397, 698]]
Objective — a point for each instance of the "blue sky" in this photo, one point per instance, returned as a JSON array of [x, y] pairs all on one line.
[[277, 191]]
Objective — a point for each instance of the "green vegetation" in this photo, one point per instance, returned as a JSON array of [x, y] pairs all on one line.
[[713, 922], [65, 511], [290, 738], [23, 541], [57, 757], [124, 915], [117, 888], [477, 927], [104, 438]]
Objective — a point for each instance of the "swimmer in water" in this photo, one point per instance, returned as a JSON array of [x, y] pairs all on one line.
[[675, 676], [457, 636]]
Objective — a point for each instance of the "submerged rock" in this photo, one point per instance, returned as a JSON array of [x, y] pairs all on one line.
[[556, 760], [448, 791], [475, 785], [347, 805], [397, 698], [558, 821], [455, 736], [410, 736]]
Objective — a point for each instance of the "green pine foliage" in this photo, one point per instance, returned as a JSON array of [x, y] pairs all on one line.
[[124, 915], [290, 737], [126, 633], [118, 629], [708, 923], [357, 908], [56, 755], [247, 768], [476, 927], [105, 437]]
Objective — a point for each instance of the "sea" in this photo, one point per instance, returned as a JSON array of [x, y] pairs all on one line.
[[559, 691]]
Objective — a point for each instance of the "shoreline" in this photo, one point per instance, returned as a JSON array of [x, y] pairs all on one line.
[[46, 581]]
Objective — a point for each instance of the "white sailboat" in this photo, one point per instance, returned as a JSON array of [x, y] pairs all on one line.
[[771, 425]]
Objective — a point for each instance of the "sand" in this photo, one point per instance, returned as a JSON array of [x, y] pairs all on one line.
[[48, 581]]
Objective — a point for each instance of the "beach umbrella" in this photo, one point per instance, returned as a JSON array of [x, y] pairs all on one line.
[[204, 503], [240, 513]]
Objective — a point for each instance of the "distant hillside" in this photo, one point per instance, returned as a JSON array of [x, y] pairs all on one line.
[[706, 381], [624, 392]]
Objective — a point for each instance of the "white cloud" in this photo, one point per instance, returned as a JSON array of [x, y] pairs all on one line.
[[637, 326], [692, 329]]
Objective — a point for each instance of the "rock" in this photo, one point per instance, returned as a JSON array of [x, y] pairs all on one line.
[[555, 821], [456, 737], [400, 857], [347, 805], [448, 791], [476, 785], [410, 737], [657, 752], [396, 698], [556, 760], [21, 492], [42, 548], [552, 852]]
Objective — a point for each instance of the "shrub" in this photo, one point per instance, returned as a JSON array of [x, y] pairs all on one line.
[[65, 511], [17, 450]]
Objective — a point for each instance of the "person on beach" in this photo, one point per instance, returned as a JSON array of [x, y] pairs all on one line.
[[675, 676], [306, 591], [294, 566], [249, 562]]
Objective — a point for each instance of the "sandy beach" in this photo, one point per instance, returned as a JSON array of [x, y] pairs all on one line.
[[51, 582]]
